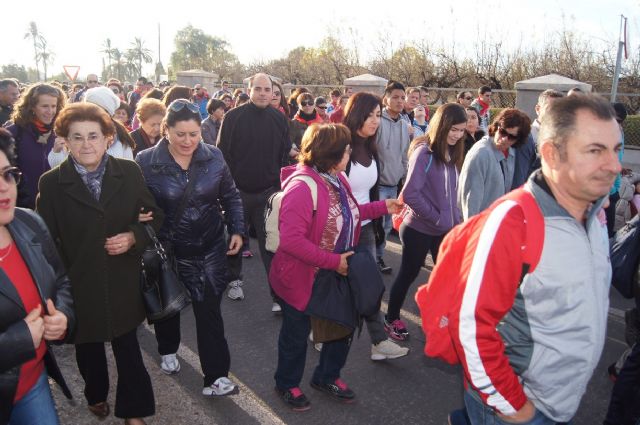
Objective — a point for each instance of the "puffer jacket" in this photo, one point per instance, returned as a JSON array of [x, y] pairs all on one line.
[[16, 346], [198, 238]]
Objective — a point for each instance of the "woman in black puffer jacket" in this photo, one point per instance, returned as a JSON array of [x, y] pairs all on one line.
[[181, 163]]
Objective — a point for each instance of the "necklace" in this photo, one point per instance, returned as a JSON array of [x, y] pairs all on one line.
[[2, 257]]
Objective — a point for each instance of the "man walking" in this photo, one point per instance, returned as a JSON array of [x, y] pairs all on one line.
[[529, 341], [392, 143], [9, 95], [482, 104], [254, 140]]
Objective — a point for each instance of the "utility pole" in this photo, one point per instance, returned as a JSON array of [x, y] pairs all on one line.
[[622, 44]]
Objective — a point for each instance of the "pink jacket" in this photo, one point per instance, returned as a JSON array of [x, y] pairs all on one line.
[[299, 254]]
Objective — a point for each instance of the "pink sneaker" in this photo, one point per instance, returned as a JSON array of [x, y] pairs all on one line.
[[396, 329], [247, 254]]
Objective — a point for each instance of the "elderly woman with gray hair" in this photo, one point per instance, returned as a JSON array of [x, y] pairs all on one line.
[[91, 205]]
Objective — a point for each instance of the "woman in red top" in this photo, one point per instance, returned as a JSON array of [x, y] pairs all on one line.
[[35, 306]]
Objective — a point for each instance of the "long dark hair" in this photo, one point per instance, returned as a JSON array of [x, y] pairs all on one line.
[[358, 108], [446, 116]]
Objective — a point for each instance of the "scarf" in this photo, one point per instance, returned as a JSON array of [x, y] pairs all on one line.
[[43, 130], [306, 118], [484, 107], [93, 179], [347, 232]]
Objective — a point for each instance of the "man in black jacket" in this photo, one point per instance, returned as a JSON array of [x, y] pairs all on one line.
[[9, 95], [254, 139]]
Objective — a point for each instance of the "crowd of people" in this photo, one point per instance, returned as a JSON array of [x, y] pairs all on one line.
[[87, 169]]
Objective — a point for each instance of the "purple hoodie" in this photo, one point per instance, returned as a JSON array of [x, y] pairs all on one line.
[[299, 254], [431, 192]]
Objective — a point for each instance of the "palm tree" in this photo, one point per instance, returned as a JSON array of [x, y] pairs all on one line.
[[107, 49], [35, 36], [118, 63], [45, 55], [139, 53]]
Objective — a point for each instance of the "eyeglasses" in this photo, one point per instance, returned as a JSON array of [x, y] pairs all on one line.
[[509, 136], [468, 98], [306, 103], [322, 107], [79, 140], [179, 104], [11, 175]]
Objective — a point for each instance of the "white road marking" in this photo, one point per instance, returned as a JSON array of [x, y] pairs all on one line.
[[247, 400]]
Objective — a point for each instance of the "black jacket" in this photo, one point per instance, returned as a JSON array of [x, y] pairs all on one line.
[[255, 144], [198, 239], [32, 239]]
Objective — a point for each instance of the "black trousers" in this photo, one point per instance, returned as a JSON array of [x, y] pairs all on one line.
[[610, 213], [213, 349], [254, 205], [415, 246], [134, 394]]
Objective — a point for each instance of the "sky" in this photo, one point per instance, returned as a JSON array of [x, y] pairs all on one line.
[[259, 31]]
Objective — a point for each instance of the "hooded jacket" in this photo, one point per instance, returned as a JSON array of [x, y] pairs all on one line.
[[393, 142]]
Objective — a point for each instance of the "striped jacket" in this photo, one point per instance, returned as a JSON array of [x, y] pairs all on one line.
[[541, 340]]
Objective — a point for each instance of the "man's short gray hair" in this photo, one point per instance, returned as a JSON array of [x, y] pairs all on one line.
[[559, 121], [6, 82], [549, 94]]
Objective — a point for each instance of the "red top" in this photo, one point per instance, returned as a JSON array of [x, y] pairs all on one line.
[[16, 269]]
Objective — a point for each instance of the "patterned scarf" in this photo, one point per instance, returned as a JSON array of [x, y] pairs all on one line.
[[347, 234], [92, 179]]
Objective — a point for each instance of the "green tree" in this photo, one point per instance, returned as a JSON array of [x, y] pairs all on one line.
[[13, 70], [196, 49]]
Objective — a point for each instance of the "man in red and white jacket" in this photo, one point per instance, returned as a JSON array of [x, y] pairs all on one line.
[[529, 349]]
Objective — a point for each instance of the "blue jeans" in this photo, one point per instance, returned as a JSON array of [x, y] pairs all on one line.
[[386, 192], [36, 407], [292, 351], [481, 414]]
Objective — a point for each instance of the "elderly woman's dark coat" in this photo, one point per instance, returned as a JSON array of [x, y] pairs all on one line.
[[106, 288], [198, 238]]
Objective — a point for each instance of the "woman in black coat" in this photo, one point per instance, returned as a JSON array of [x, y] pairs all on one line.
[[36, 307], [183, 170], [91, 204]]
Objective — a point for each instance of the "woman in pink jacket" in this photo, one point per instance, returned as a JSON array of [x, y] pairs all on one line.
[[312, 240]]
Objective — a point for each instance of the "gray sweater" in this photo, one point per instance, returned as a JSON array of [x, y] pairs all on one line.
[[482, 180], [392, 141]]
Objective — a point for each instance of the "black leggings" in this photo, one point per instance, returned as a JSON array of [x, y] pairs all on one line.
[[415, 246]]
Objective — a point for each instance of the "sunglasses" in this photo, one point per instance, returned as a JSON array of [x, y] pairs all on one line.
[[179, 104], [322, 107], [11, 175], [306, 103], [468, 98], [115, 90], [504, 133]]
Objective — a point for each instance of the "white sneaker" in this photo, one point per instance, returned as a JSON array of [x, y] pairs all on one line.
[[170, 364], [235, 290], [316, 345], [275, 308], [387, 349], [222, 386]]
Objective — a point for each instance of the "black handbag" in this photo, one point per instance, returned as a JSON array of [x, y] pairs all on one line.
[[625, 256], [163, 293]]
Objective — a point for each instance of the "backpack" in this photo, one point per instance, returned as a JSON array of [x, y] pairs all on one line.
[[272, 212], [442, 295]]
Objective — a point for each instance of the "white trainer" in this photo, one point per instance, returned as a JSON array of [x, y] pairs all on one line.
[[235, 290], [387, 349], [275, 308], [222, 386], [170, 364]]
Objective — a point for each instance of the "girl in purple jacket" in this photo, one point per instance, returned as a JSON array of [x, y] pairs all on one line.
[[430, 192]]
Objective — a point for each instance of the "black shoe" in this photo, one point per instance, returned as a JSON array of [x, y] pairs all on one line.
[[295, 398], [613, 372], [337, 389], [383, 267]]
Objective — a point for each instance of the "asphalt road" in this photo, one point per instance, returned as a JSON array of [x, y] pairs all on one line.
[[410, 390]]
